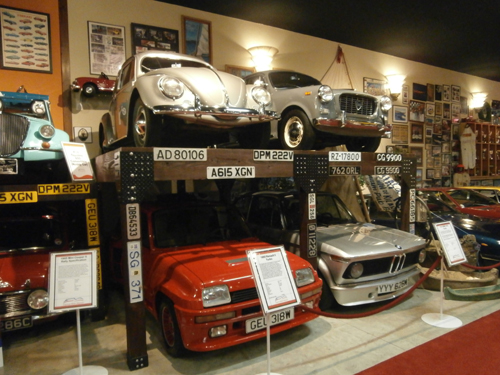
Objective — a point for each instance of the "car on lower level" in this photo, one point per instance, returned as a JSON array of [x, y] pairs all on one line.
[[171, 99], [315, 116], [91, 86], [492, 192], [359, 263], [197, 280]]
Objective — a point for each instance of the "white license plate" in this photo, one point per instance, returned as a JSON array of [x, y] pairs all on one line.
[[15, 323], [388, 288], [255, 324]]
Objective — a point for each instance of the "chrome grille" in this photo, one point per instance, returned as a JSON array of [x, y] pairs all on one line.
[[13, 304], [357, 104], [13, 130]]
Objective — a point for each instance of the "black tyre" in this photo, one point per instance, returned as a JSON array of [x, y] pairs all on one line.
[[363, 144], [255, 136], [170, 329], [295, 131], [89, 90], [145, 126]]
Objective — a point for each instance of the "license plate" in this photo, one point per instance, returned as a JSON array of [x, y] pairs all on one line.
[[388, 288], [8, 166], [15, 323], [255, 324]]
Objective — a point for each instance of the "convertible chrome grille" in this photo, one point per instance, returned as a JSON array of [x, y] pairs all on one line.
[[356, 104], [390, 265], [13, 304], [13, 130]]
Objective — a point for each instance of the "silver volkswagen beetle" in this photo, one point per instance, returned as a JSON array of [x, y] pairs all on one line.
[[314, 115], [161, 97], [359, 262]]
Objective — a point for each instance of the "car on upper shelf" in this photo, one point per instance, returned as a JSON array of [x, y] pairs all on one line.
[[171, 99], [467, 201], [359, 263], [197, 281], [314, 115], [30, 144], [90, 86]]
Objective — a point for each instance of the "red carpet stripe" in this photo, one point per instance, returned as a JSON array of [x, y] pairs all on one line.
[[469, 350]]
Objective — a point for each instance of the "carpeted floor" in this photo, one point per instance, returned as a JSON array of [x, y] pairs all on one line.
[[469, 350]]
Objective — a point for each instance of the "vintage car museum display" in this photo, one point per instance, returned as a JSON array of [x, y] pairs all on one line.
[[170, 99], [359, 262], [315, 116], [197, 279], [91, 86]]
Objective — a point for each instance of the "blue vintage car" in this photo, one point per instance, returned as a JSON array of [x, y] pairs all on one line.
[[27, 134]]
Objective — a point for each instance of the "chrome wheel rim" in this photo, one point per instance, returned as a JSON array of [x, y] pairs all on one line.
[[293, 132], [140, 125], [168, 327]]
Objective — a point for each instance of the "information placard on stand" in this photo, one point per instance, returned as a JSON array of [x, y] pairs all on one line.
[[275, 285]]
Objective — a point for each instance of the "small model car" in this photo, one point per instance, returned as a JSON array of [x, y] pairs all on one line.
[[197, 280], [170, 99], [467, 201], [359, 263], [29, 134], [315, 116], [90, 86]]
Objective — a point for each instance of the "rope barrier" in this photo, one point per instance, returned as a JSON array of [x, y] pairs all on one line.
[[382, 308], [481, 268]]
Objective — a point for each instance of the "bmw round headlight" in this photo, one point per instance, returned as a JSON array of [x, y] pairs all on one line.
[[261, 95], [38, 107], [171, 87], [304, 276], [215, 295], [38, 299], [325, 93], [356, 270], [47, 131], [385, 103]]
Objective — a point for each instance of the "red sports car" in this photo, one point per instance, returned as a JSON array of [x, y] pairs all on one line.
[[90, 86], [468, 201]]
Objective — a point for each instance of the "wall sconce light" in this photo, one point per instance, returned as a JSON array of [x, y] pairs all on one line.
[[478, 99], [262, 56], [395, 84]]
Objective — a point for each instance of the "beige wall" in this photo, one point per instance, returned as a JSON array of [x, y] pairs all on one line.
[[231, 38]]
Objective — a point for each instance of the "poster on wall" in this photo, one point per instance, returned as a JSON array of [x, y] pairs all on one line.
[[25, 40], [106, 48], [146, 38], [197, 38]]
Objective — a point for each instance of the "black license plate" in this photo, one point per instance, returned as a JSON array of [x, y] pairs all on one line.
[[15, 323]]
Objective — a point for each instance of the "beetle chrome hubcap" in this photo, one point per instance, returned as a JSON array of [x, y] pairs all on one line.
[[140, 126], [294, 131]]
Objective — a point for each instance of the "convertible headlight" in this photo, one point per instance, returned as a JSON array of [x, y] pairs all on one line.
[[38, 107], [325, 93], [47, 131], [304, 276], [355, 270], [261, 95], [385, 103], [171, 87], [215, 296], [38, 299]]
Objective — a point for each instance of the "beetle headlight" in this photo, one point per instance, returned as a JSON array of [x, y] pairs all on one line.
[[261, 95], [356, 270], [215, 296], [38, 107], [171, 87], [47, 131], [385, 103], [38, 299], [325, 93], [304, 276]]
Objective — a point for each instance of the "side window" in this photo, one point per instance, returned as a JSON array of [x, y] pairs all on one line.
[[125, 76]]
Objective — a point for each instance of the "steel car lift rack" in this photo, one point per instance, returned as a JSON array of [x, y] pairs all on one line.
[[135, 170]]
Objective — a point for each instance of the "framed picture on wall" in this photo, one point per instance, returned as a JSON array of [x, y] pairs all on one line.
[[374, 86], [404, 92], [239, 71], [145, 37], [106, 48], [400, 134], [455, 93], [419, 154], [419, 92], [400, 114], [197, 38], [446, 93], [19, 54], [417, 133]]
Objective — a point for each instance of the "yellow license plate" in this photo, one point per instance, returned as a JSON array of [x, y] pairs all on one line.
[[9, 197]]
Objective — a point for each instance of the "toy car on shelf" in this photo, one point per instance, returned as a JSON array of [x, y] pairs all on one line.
[[359, 263], [30, 142], [90, 86], [315, 116], [170, 99], [197, 280]]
